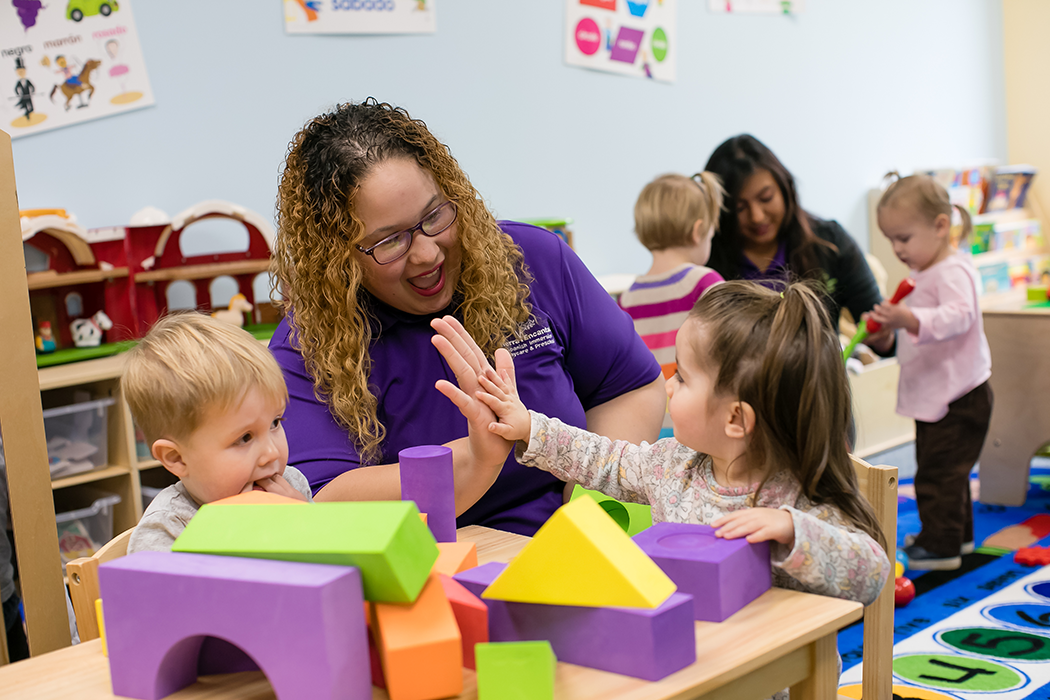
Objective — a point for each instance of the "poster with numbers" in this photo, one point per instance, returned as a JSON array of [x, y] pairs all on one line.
[[631, 37], [359, 16], [757, 7], [67, 61]]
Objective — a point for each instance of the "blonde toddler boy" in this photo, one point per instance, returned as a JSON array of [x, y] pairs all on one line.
[[210, 399]]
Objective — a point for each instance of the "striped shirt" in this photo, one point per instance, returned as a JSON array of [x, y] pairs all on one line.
[[659, 305]]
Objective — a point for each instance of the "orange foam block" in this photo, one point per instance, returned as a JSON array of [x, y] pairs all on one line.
[[472, 616], [420, 645], [253, 498], [454, 557]]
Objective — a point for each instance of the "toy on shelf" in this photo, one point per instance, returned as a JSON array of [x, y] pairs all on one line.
[[903, 592], [234, 313], [87, 332], [906, 287], [45, 341], [1032, 556]]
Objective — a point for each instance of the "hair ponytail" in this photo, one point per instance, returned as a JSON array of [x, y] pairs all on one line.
[[967, 222], [714, 196]]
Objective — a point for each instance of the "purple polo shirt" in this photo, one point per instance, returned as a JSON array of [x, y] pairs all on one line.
[[774, 275], [580, 350]]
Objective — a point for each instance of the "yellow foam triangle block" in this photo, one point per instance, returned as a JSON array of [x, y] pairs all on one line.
[[581, 557]]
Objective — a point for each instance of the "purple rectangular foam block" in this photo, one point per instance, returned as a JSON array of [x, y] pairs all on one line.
[[428, 479], [647, 643], [721, 575], [302, 624]]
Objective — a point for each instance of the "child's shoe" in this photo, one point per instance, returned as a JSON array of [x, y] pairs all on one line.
[[919, 559], [966, 548]]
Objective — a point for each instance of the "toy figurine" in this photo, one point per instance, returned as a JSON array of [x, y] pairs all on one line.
[[45, 342], [239, 305], [87, 332]]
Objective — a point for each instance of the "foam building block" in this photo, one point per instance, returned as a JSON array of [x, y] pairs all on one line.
[[516, 671], [419, 645], [454, 557], [721, 575], [386, 540], [472, 616], [581, 557], [631, 517], [101, 625], [648, 643], [428, 479], [302, 623], [255, 497]]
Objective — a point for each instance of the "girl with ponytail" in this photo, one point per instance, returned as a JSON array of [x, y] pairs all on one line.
[[945, 365], [760, 402]]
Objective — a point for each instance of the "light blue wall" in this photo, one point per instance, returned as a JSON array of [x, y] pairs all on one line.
[[842, 93]]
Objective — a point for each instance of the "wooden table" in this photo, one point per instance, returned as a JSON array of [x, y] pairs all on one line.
[[784, 638], [1017, 338]]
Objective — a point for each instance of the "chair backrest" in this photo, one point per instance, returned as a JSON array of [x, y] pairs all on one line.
[[83, 583], [879, 486]]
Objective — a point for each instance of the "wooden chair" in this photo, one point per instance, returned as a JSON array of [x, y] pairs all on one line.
[[879, 486], [83, 583]]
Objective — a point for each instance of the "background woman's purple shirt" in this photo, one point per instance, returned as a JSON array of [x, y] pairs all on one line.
[[580, 350]]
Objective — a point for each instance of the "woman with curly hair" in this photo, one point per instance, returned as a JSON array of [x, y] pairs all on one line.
[[380, 233], [765, 235]]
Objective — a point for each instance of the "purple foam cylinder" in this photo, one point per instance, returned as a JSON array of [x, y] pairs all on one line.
[[302, 624], [722, 575], [427, 477], [647, 643]]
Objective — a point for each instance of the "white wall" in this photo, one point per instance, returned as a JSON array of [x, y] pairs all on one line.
[[842, 93]]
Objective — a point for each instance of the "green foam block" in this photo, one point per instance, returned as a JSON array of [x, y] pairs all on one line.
[[631, 517], [386, 540], [515, 670]]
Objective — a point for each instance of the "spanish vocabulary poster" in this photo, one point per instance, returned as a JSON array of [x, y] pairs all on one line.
[[67, 62], [359, 16], [757, 7], [630, 37]]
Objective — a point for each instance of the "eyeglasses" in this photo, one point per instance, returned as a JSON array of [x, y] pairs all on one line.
[[397, 244]]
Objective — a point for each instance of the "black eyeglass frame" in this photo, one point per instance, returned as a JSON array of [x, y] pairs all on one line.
[[409, 232]]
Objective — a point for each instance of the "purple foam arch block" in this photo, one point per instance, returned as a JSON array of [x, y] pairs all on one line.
[[427, 478], [302, 624], [722, 575], [647, 643]]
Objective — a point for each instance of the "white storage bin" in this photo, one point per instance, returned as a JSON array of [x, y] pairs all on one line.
[[85, 520], [76, 437]]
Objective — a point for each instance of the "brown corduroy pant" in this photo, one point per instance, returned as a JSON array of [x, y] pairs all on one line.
[[945, 453]]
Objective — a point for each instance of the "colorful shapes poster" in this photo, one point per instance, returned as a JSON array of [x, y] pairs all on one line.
[[359, 16], [68, 61], [629, 37], [757, 7]]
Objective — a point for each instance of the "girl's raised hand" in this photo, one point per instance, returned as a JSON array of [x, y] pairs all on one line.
[[501, 395], [757, 525], [467, 362]]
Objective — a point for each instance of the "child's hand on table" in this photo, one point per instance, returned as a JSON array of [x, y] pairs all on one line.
[[279, 485], [757, 525]]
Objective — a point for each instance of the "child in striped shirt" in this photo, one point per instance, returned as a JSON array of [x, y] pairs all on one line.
[[675, 218]]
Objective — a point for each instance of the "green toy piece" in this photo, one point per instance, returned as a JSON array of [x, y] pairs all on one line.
[[515, 670], [631, 517], [386, 540]]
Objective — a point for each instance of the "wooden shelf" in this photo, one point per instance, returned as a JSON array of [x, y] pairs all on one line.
[[193, 272], [49, 279], [81, 372], [88, 477], [148, 464], [1009, 254]]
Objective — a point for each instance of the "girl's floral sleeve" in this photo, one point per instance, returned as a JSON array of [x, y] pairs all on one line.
[[617, 469], [831, 560]]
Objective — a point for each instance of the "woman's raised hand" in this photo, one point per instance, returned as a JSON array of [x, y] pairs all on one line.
[[468, 363]]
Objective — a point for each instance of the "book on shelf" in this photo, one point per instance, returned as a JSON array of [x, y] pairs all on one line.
[[1007, 188]]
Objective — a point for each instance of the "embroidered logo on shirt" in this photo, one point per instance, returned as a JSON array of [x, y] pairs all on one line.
[[531, 338]]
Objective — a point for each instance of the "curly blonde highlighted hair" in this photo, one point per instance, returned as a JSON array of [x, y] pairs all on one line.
[[319, 272]]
